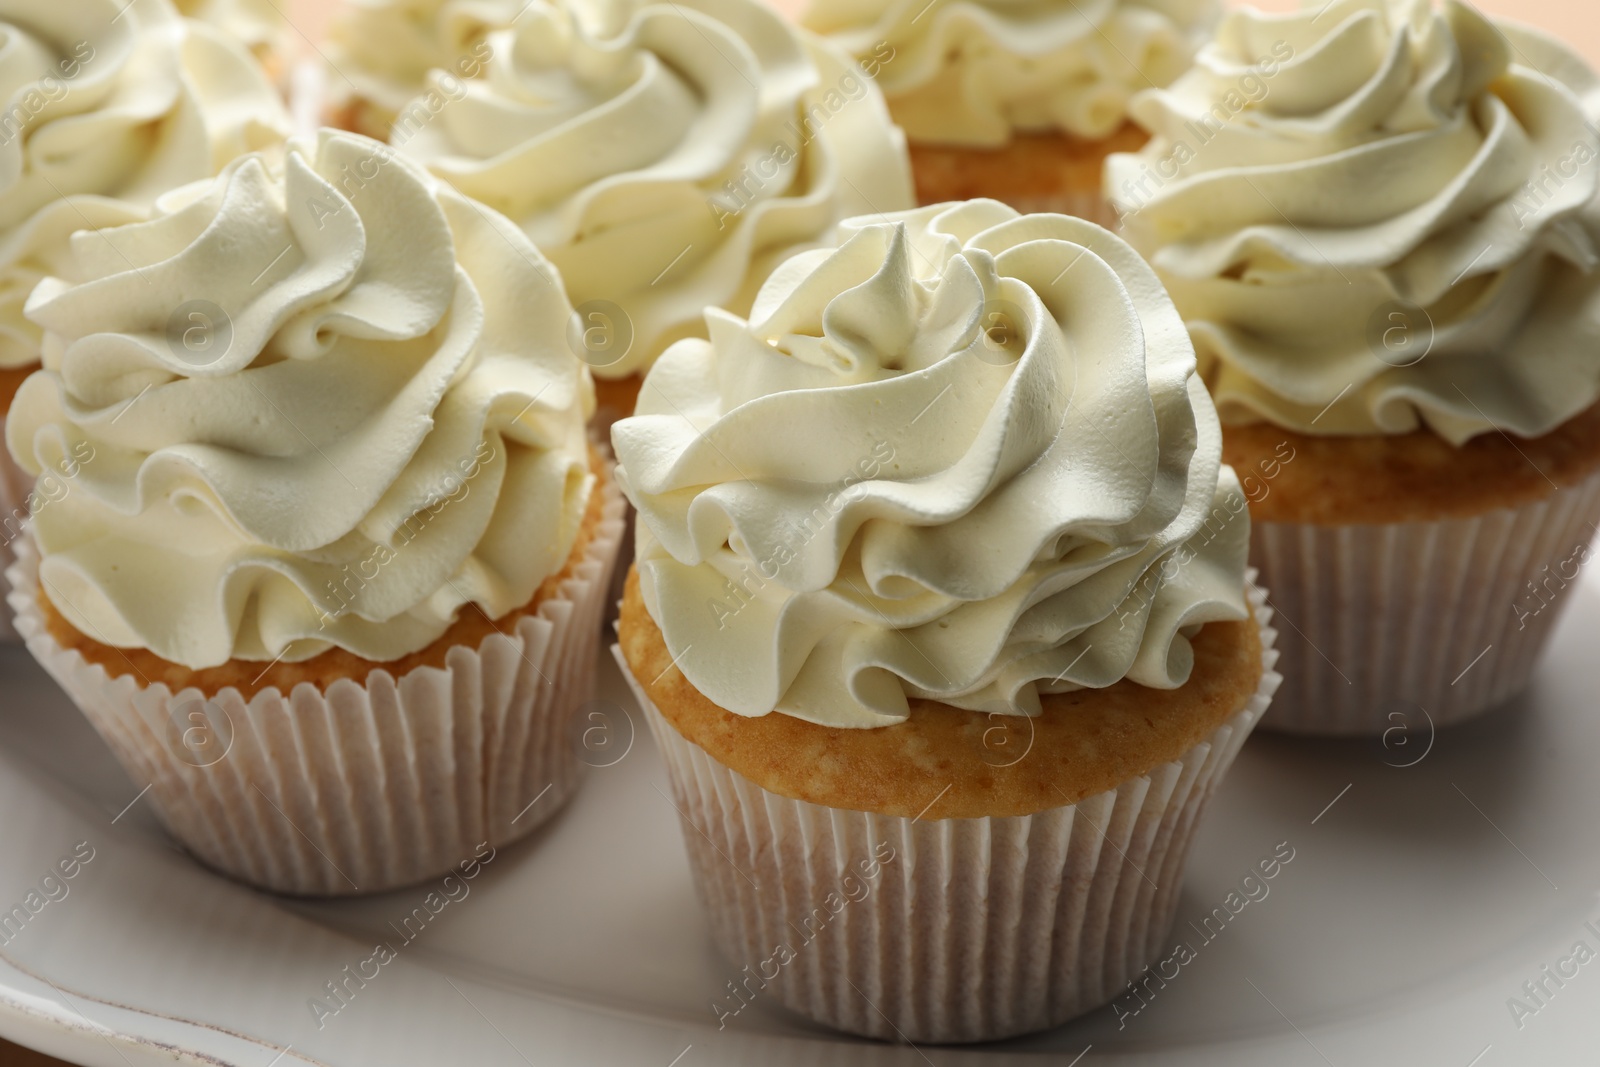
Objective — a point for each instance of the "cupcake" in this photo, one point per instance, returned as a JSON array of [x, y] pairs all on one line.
[[1021, 102], [1389, 261], [383, 53], [664, 156], [941, 621], [332, 581], [107, 109], [259, 25]]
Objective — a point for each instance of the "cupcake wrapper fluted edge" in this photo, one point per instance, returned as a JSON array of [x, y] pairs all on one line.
[[946, 930], [1417, 625], [363, 787]]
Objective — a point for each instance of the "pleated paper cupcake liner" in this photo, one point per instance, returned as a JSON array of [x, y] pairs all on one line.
[[365, 786], [15, 485], [1410, 624], [943, 930]]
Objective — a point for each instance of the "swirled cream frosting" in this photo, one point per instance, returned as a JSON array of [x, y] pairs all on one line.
[[260, 25], [1376, 218], [665, 156], [976, 72], [963, 456], [384, 51], [324, 402], [107, 106]]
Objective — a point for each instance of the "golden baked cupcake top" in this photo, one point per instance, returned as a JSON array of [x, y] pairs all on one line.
[[970, 764], [962, 457], [978, 72], [1378, 216], [108, 104], [665, 156], [322, 401]]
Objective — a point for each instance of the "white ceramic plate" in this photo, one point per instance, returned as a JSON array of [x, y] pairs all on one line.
[[1419, 901]]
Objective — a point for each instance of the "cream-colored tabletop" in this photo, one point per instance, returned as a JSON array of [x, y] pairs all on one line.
[[1575, 21]]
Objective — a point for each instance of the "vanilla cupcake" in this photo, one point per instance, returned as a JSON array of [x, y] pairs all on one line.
[[109, 105], [1389, 260], [941, 620], [664, 156], [382, 53], [260, 25], [1021, 102], [331, 582]]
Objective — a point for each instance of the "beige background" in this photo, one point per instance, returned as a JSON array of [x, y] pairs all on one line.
[[1575, 21]]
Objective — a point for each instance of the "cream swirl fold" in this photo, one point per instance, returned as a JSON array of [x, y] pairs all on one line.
[[963, 456], [107, 106], [976, 72], [322, 402], [259, 25], [385, 50], [1378, 217], [664, 156]]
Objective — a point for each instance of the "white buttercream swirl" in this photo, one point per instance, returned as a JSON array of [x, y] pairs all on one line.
[[974, 72], [383, 51], [664, 156], [964, 456], [374, 420], [105, 110], [1404, 157], [259, 25]]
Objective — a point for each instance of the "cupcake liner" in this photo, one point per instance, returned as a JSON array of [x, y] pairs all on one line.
[[364, 787], [945, 930], [15, 485], [1380, 622]]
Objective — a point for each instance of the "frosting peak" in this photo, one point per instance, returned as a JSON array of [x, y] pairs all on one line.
[[975, 72], [107, 106], [1378, 215], [328, 403], [663, 155], [962, 456]]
